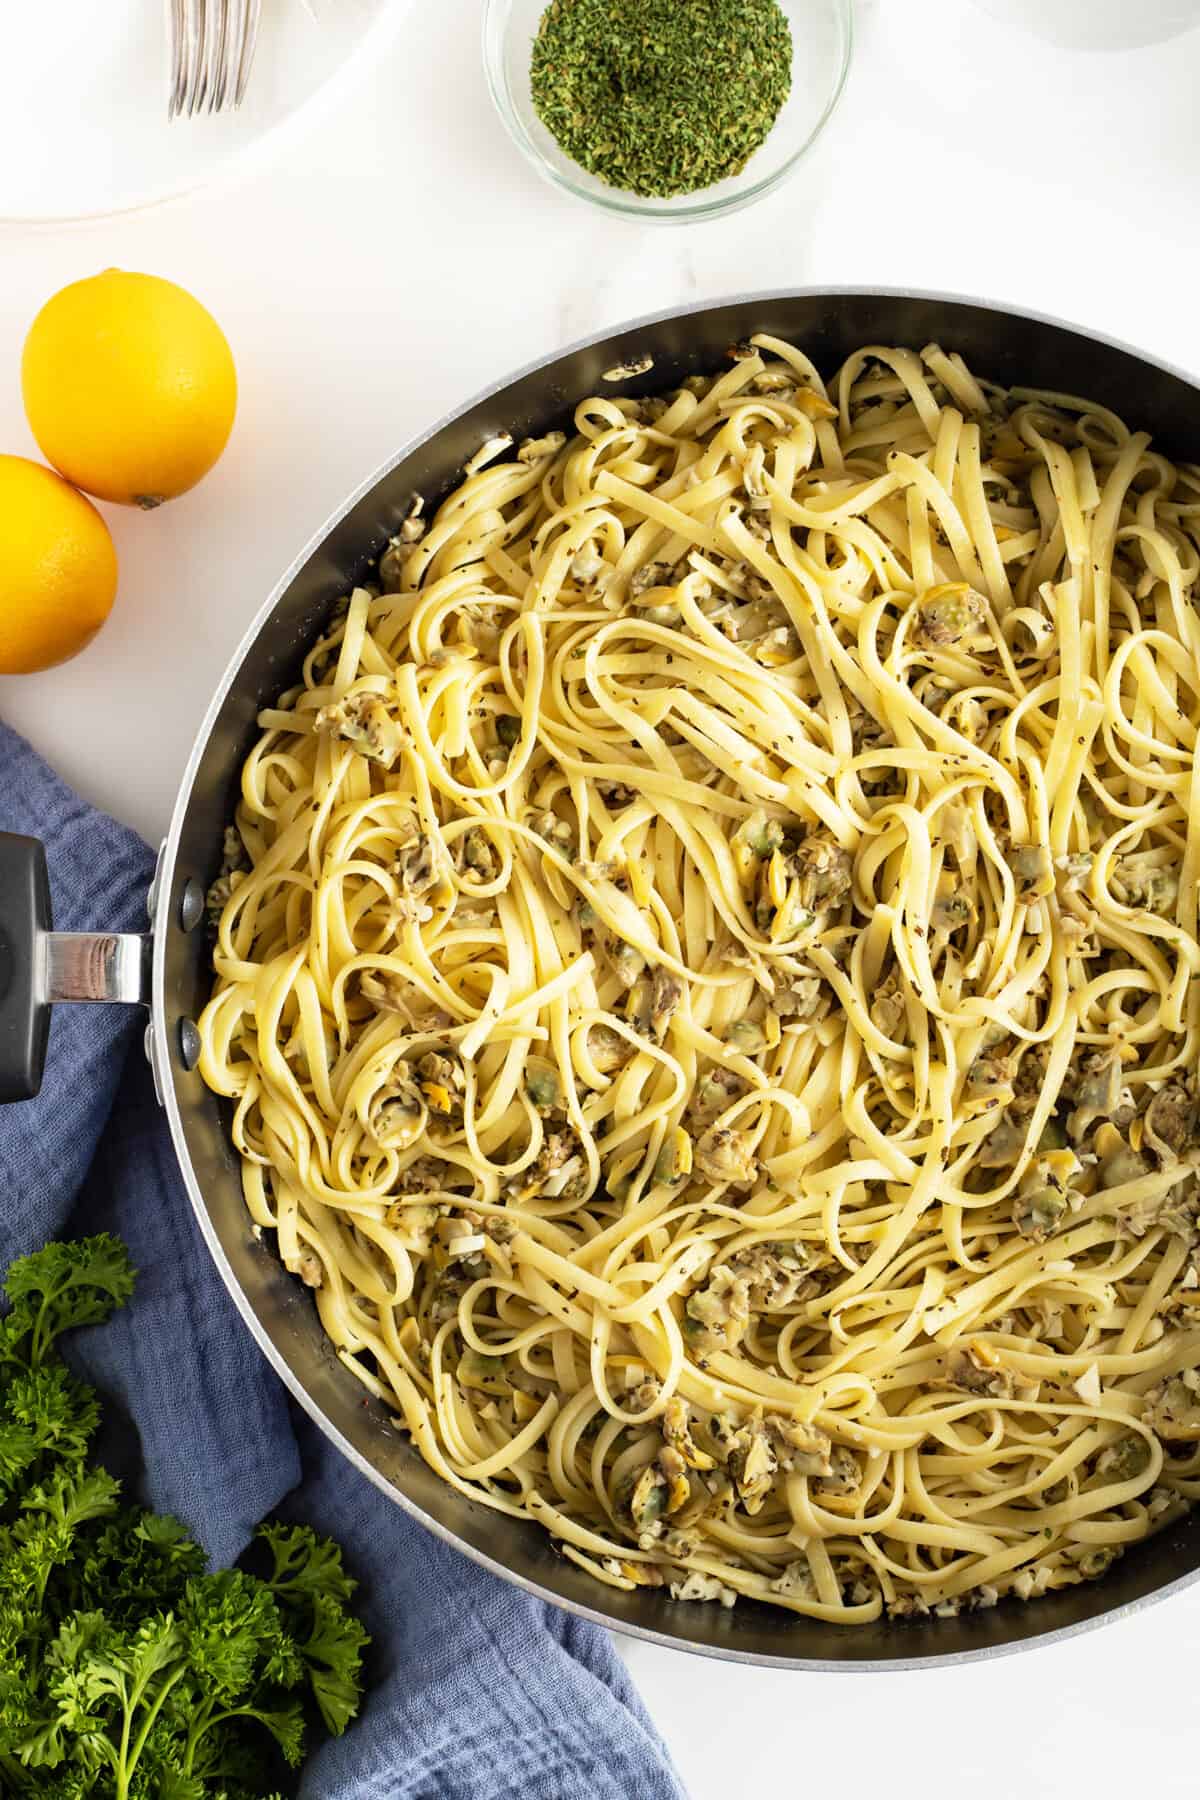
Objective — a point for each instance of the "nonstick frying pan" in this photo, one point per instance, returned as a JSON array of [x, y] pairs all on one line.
[[167, 970]]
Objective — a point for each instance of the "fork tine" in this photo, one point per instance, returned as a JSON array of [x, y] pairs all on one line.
[[250, 16], [212, 44], [220, 59], [198, 76], [177, 55]]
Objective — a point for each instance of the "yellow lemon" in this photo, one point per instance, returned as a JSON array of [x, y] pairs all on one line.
[[129, 387], [58, 568]]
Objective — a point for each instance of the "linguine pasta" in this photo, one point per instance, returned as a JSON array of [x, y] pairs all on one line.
[[706, 979]]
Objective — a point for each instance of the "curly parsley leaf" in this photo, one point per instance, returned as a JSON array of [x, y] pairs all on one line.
[[60, 1411], [142, 1561], [126, 1670], [69, 1500], [63, 1286], [303, 1563], [333, 1652], [312, 1588]]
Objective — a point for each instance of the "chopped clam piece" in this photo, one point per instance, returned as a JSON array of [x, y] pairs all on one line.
[[220, 893], [679, 1487], [648, 1501], [990, 1077], [751, 1463], [779, 1274], [666, 995], [1140, 880], [608, 1049], [1098, 1094], [413, 1225], [589, 569], [1075, 871], [395, 557], [759, 835], [889, 1008], [776, 378], [718, 1314], [674, 1160], [805, 998], [1034, 872], [556, 832], [414, 866], [363, 722], [487, 452], [1172, 1409], [642, 1574], [974, 1371], [1039, 1211], [651, 575], [796, 1582], [1124, 1460], [627, 963], [391, 993], [486, 1374], [676, 1430], [558, 1170], [950, 912], [747, 1037], [309, 1268], [844, 1477], [824, 871], [725, 1156], [442, 1082], [1171, 1124], [800, 1449], [541, 1084], [479, 855], [397, 1115], [1043, 1197], [697, 1586], [945, 615], [424, 1175], [540, 449], [625, 371], [1003, 1143]]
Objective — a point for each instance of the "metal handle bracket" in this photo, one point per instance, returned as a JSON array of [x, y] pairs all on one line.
[[94, 966], [39, 966]]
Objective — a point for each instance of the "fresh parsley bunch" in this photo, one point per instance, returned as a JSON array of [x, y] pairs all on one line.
[[126, 1671]]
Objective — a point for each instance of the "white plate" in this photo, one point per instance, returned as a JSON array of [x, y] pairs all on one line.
[[83, 98]]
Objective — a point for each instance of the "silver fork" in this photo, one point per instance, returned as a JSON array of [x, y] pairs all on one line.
[[212, 48]]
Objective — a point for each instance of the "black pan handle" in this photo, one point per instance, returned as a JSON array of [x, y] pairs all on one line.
[[39, 966], [24, 918]]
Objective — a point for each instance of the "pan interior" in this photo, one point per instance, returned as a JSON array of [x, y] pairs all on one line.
[[1009, 348]]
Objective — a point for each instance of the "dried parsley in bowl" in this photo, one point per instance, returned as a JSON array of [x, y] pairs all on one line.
[[661, 97]]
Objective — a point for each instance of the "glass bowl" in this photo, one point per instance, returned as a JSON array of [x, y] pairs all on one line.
[[821, 38]]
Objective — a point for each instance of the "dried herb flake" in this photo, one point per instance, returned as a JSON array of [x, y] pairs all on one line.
[[661, 97]]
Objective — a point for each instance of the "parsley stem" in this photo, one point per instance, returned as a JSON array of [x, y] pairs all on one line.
[[196, 1730], [125, 1773]]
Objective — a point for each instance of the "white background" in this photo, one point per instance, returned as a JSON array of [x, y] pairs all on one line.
[[404, 256]]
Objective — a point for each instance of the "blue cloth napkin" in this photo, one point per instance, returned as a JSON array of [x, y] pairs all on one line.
[[482, 1693]]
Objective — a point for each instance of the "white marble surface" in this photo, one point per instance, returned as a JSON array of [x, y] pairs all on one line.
[[404, 256]]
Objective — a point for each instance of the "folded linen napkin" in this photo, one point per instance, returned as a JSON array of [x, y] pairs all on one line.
[[481, 1692]]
